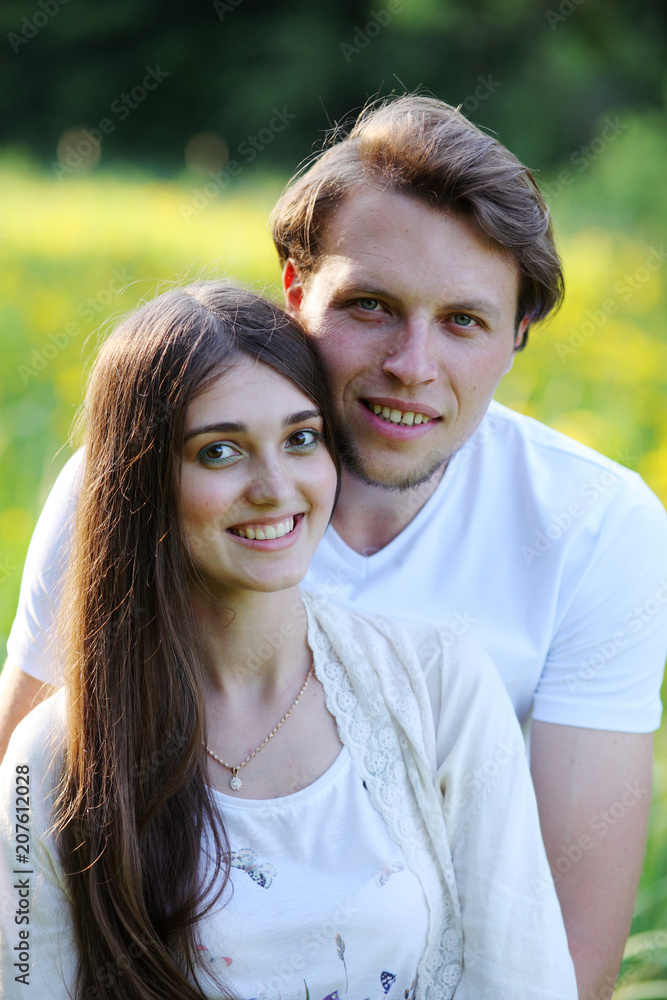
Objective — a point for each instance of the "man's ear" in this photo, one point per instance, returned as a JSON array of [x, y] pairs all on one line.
[[518, 340], [521, 332], [292, 288]]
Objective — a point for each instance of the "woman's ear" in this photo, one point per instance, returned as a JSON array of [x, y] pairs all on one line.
[[292, 288]]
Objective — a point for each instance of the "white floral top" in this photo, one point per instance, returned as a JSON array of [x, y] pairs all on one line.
[[323, 904]]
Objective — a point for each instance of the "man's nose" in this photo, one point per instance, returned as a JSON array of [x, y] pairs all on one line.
[[411, 355]]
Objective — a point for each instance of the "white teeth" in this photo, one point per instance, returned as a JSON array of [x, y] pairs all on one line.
[[266, 531], [398, 416]]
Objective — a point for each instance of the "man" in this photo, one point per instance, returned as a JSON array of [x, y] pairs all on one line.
[[418, 251]]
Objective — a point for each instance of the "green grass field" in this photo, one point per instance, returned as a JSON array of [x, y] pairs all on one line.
[[77, 253]]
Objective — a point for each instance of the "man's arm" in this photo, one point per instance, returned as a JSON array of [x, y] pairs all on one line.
[[593, 793], [19, 693]]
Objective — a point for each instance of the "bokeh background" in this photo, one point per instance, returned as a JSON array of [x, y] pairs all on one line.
[[143, 142]]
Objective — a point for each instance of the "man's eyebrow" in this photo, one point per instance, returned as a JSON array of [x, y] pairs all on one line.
[[233, 427], [477, 306], [357, 286]]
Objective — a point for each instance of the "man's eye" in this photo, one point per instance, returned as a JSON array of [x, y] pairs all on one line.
[[216, 454], [369, 305], [463, 319], [305, 440]]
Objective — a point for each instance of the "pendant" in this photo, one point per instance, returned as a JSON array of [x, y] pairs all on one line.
[[235, 782]]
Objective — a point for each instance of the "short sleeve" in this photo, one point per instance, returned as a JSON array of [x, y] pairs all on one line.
[[31, 644], [605, 665]]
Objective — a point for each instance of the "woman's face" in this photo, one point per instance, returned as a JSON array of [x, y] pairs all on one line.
[[257, 481]]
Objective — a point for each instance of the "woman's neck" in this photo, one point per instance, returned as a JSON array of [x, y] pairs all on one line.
[[253, 642]]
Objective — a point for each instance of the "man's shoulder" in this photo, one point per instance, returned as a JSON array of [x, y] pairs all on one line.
[[531, 456], [502, 427]]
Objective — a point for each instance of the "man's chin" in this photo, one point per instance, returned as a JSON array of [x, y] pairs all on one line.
[[392, 480]]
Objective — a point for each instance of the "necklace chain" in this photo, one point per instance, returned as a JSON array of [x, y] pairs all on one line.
[[235, 781]]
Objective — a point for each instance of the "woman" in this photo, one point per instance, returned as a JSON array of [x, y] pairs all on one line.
[[244, 791]]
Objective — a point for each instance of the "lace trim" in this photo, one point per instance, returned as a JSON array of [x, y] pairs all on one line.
[[384, 718]]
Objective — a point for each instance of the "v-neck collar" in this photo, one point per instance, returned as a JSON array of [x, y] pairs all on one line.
[[365, 563]]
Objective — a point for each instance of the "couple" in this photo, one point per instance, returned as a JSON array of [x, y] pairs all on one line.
[[417, 252]]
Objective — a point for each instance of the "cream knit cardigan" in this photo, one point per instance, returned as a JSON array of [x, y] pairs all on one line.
[[431, 731]]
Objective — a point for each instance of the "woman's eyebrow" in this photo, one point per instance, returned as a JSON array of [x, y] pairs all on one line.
[[297, 418], [233, 427], [225, 428]]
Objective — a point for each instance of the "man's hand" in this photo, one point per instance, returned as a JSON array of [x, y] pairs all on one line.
[[19, 692], [593, 793]]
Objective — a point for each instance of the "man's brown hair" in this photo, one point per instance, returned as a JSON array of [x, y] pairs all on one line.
[[420, 146]]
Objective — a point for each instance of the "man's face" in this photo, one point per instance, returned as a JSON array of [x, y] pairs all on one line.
[[414, 312]]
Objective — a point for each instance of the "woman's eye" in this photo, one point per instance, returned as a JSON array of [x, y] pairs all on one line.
[[305, 440], [216, 454]]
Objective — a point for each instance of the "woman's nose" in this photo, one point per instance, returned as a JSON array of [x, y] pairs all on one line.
[[271, 483]]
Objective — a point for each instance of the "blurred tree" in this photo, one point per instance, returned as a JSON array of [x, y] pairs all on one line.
[[538, 73]]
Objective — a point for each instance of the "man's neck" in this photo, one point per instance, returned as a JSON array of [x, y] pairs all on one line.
[[368, 517]]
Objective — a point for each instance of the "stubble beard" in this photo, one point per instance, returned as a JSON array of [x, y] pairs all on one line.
[[354, 465]]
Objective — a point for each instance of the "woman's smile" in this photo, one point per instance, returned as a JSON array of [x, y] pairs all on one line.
[[287, 530]]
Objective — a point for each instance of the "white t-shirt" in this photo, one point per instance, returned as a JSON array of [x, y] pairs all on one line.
[[552, 556], [336, 930]]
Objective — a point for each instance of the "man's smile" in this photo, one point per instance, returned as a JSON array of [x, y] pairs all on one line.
[[399, 411]]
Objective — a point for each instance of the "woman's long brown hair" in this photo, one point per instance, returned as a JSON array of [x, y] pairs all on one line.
[[134, 814]]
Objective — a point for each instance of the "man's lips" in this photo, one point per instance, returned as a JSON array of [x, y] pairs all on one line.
[[398, 424], [401, 411]]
